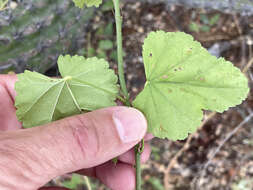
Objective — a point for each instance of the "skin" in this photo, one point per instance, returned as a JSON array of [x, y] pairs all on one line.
[[84, 144]]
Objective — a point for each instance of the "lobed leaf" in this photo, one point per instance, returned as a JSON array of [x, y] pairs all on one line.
[[86, 84], [88, 3], [182, 80]]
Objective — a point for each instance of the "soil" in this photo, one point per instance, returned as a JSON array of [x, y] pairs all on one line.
[[232, 166]]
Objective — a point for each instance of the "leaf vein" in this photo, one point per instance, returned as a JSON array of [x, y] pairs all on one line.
[[56, 102], [73, 97], [39, 97]]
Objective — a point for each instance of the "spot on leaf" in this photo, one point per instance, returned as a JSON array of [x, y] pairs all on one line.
[[162, 129], [183, 90], [189, 50]]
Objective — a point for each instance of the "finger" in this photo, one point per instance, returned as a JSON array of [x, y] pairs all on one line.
[[53, 188], [129, 156], [8, 81], [120, 176], [8, 117], [83, 141], [148, 137], [90, 172]]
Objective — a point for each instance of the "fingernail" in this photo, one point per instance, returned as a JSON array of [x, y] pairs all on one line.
[[130, 123]]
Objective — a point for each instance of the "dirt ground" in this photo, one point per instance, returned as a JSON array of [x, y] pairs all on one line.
[[218, 156]]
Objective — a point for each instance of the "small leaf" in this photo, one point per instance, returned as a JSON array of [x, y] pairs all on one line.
[[205, 28], [194, 27], [3, 4], [107, 6], [204, 19], [87, 84], [156, 183], [88, 3], [214, 20], [182, 80], [76, 180], [105, 44]]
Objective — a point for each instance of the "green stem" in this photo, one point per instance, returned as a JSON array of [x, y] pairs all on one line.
[[118, 21], [138, 150], [139, 147], [123, 100], [138, 170]]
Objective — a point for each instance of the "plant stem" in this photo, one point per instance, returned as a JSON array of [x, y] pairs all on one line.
[[138, 170], [138, 150], [87, 181], [118, 21], [139, 147]]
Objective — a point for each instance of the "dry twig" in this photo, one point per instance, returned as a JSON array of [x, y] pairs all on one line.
[[180, 152], [246, 68], [229, 135]]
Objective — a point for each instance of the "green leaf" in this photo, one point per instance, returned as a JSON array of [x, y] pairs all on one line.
[[156, 183], [88, 3], [204, 19], [75, 181], [214, 20], [86, 84], [107, 6], [194, 27], [205, 28], [182, 80], [91, 52], [105, 44], [3, 4]]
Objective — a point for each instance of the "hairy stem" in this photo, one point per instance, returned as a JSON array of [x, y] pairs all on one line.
[[138, 170], [139, 147], [138, 150], [118, 20]]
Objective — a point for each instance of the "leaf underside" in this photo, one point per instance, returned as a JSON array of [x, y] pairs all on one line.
[[88, 3], [86, 84], [182, 80]]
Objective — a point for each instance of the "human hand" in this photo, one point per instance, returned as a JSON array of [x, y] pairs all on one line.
[[86, 143]]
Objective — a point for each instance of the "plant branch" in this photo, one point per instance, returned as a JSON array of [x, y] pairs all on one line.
[[118, 20]]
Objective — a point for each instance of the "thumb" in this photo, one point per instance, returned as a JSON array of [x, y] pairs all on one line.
[[83, 141]]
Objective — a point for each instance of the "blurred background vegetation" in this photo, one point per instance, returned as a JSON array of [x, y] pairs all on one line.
[[220, 154]]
